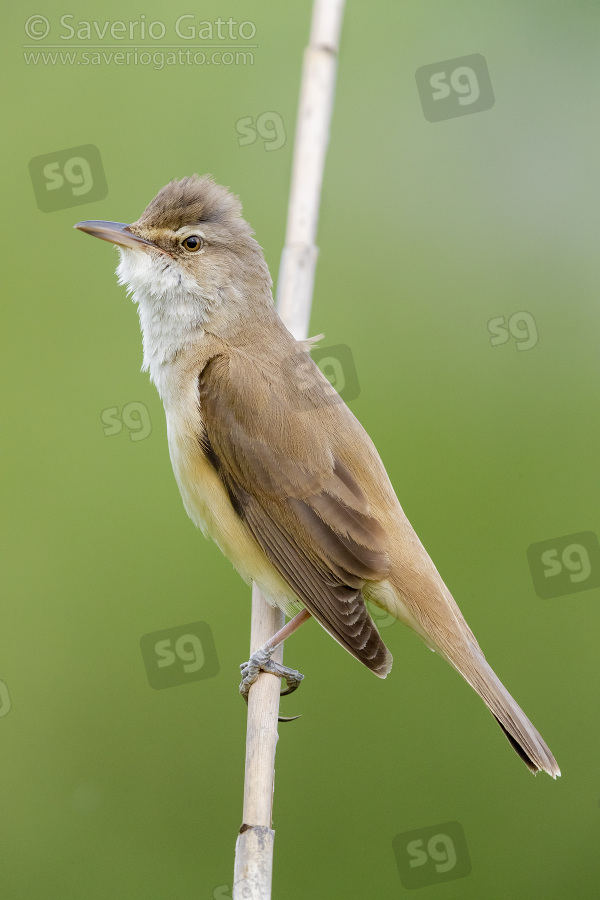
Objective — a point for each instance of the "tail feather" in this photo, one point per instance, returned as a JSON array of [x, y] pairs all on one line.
[[531, 765], [433, 614], [521, 733]]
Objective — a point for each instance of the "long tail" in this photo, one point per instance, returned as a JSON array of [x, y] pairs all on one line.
[[523, 736], [434, 615]]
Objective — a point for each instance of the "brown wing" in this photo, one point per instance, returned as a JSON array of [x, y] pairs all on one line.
[[267, 441]]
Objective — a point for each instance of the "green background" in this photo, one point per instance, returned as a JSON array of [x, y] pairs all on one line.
[[110, 788]]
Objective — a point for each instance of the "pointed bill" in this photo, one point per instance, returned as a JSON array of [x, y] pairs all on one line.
[[117, 233]]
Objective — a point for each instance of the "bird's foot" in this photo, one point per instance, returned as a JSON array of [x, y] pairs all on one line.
[[261, 661]]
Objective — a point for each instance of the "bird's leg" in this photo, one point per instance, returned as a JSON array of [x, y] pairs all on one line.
[[261, 661]]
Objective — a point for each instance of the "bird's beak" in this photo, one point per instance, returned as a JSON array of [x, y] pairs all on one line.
[[116, 233]]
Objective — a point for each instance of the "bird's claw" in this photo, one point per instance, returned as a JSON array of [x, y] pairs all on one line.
[[261, 661]]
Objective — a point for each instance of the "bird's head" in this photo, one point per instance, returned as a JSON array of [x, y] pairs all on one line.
[[190, 262]]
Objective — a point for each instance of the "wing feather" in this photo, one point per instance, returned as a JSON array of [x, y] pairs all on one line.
[[301, 504]]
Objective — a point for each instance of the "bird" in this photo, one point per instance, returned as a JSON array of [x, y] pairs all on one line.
[[270, 462]]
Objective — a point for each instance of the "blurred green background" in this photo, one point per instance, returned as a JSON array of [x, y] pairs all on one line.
[[428, 231]]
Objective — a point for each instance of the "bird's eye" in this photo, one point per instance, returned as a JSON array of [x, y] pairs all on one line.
[[193, 242]]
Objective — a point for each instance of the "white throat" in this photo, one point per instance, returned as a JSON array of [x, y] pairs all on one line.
[[171, 307]]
